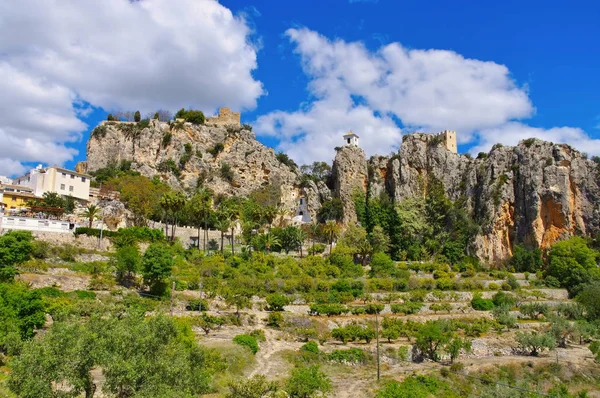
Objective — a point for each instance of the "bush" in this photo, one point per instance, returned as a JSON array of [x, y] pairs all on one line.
[[217, 149], [276, 302], [311, 346], [248, 341], [226, 172], [407, 308], [275, 320], [352, 355], [197, 305], [191, 116], [480, 304], [502, 299], [373, 309], [307, 382]]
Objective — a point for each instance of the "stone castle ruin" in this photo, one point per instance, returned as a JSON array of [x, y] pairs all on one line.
[[449, 140], [225, 118]]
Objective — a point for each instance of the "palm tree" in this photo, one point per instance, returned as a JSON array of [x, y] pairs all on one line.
[[222, 225], [270, 241], [301, 237], [92, 212], [331, 230]]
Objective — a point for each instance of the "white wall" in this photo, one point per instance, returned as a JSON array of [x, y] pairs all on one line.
[[34, 224]]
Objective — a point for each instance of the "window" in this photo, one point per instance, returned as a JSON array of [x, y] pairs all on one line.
[[62, 187], [14, 198], [64, 175], [70, 188], [348, 140], [82, 179], [72, 177]]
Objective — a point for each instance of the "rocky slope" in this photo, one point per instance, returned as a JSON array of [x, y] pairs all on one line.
[[184, 155], [534, 193]]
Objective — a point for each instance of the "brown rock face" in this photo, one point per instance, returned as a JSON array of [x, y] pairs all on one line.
[[182, 148], [350, 174], [532, 194]]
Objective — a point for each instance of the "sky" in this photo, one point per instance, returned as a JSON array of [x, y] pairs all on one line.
[[302, 73]]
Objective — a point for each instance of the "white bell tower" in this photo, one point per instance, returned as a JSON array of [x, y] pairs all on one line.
[[351, 139]]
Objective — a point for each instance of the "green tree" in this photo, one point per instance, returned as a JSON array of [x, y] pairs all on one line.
[[21, 313], [127, 263], [331, 210], [570, 261], [535, 343], [15, 248], [454, 347], [157, 264], [222, 224], [276, 302], [172, 203], [524, 260], [589, 298], [199, 209], [137, 116], [92, 212], [62, 356], [431, 338], [379, 240], [331, 230], [308, 382], [356, 238]]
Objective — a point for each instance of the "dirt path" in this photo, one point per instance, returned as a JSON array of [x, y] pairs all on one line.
[[269, 359]]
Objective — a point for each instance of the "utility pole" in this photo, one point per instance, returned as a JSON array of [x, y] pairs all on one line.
[[377, 339]]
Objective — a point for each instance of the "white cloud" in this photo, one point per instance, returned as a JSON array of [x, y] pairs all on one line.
[[114, 54], [513, 132], [426, 89]]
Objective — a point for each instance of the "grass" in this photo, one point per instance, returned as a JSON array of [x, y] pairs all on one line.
[[4, 391]]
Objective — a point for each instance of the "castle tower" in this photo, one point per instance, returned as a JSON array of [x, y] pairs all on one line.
[[351, 139], [449, 140]]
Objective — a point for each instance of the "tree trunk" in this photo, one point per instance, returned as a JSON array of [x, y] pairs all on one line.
[[198, 237], [205, 233], [232, 249], [222, 238]]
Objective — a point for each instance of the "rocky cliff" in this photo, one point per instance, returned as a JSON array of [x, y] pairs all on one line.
[[225, 158], [534, 193]]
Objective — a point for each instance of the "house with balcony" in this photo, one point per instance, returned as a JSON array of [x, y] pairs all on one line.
[[56, 179]]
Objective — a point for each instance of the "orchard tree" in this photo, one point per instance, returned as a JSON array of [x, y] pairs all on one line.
[[535, 343], [454, 347], [308, 382], [157, 264], [127, 263], [431, 338]]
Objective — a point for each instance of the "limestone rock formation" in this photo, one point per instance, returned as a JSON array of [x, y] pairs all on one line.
[[225, 158], [533, 194], [350, 175]]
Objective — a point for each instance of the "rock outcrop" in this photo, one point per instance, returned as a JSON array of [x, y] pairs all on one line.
[[225, 158], [533, 194], [350, 175]]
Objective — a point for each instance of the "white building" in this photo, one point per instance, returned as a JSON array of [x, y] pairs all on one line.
[[5, 180], [351, 139], [302, 215], [56, 179]]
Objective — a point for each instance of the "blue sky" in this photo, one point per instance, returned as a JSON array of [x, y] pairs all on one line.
[[302, 72]]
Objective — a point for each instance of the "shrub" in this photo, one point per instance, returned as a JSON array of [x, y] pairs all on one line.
[[248, 341], [308, 382], [217, 149], [191, 116], [352, 355], [374, 308], [276, 302], [197, 305], [311, 346], [407, 308], [480, 304], [226, 172], [275, 320], [502, 299], [166, 140], [258, 334]]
